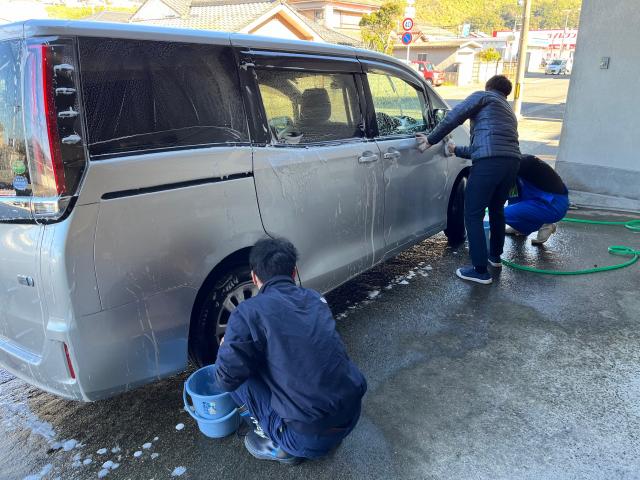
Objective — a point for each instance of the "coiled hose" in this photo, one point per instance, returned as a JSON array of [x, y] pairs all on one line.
[[621, 250]]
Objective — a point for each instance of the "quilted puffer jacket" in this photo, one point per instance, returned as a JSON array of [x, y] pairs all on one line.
[[494, 127]]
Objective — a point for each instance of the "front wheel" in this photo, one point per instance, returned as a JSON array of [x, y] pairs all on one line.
[[455, 231], [213, 313]]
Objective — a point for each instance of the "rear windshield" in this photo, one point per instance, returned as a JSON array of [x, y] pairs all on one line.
[[141, 96], [14, 175]]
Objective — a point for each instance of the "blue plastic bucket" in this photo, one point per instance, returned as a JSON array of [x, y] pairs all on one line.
[[219, 427], [208, 402]]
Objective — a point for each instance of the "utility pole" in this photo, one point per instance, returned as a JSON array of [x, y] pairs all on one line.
[[522, 58], [566, 23]]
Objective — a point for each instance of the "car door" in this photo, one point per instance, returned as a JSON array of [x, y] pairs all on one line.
[[414, 182], [318, 179]]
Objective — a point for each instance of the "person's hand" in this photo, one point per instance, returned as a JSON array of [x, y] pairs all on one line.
[[423, 143], [451, 147]]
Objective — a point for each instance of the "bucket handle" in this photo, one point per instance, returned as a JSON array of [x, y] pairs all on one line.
[[188, 406]]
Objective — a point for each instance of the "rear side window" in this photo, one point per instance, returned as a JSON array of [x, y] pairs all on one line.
[[14, 173], [400, 107], [142, 96], [307, 107]]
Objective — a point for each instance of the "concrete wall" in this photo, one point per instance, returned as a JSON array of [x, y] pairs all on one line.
[[535, 59], [599, 156]]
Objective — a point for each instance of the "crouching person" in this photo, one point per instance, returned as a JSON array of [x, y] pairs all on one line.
[[286, 366], [542, 200]]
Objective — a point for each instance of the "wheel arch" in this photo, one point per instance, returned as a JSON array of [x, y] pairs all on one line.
[[239, 257], [464, 173]]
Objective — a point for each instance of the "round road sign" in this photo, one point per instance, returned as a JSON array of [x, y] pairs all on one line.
[[406, 38], [407, 24]]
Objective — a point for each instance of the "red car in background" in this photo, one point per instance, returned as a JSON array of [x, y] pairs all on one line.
[[429, 72]]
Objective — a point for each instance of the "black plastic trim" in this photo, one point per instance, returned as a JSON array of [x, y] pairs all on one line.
[[173, 186], [309, 62]]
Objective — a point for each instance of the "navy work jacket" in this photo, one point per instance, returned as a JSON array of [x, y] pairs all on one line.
[[287, 336], [494, 127]]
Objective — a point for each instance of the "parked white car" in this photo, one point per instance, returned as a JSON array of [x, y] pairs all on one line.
[[558, 67]]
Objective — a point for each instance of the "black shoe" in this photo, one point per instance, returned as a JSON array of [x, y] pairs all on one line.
[[265, 449]]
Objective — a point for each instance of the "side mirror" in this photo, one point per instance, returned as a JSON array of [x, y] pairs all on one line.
[[438, 115]]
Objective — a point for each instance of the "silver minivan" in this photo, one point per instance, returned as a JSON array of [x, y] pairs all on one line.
[[138, 165]]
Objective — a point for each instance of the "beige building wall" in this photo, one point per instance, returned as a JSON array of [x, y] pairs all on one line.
[[276, 28]]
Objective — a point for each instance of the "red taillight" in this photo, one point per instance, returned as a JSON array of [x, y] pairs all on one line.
[[55, 149], [69, 364], [52, 121]]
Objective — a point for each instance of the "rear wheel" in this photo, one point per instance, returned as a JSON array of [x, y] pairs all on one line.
[[212, 315], [455, 231]]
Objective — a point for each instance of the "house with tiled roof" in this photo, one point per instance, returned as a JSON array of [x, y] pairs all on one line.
[[273, 18], [339, 15], [110, 16], [441, 47]]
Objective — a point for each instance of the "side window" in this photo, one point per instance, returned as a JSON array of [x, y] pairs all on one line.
[[141, 96], [400, 107], [307, 107]]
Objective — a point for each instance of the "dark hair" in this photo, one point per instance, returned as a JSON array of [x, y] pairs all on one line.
[[271, 257], [499, 83]]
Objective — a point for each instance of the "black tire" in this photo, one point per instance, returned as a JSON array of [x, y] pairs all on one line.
[[455, 231], [212, 314]]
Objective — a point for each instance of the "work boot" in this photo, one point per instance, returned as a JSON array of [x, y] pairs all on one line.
[[544, 233], [251, 422], [509, 230], [263, 448]]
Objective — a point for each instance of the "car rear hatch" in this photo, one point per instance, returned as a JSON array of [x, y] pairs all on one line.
[[41, 163]]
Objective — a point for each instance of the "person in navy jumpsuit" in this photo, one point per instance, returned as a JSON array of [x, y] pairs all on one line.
[[286, 366], [541, 200]]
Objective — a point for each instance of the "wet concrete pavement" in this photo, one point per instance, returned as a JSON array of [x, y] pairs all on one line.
[[532, 377]]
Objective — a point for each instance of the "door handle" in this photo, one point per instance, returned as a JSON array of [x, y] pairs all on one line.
[[368, 157], [391, 154]]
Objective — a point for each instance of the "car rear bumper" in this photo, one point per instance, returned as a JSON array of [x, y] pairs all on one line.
[[49, 371]]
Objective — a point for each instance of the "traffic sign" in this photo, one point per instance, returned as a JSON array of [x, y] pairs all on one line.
[[406, 38], [407, 24]]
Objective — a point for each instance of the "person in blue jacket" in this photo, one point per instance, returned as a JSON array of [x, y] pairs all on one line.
[[495, 155], [286, 366], [541, 200]]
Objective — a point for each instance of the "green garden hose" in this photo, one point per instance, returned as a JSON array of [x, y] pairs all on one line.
[[621, 250], [633, 225]]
